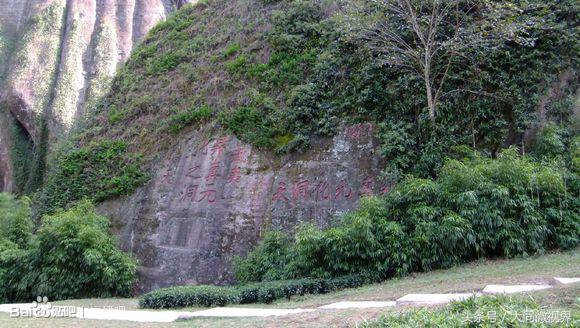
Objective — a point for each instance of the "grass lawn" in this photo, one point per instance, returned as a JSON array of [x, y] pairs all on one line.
[[466, 278]]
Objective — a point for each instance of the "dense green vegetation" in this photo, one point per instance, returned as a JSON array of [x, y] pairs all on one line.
[[263, 292], [477, 207], [71, 255], [179, 121], [97, 171], [278, 73], [487, 311]]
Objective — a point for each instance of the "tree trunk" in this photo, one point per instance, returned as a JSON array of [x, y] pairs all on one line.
[[429, 90]]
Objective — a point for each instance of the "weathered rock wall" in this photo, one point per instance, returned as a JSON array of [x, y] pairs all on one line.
[[212, 200], [12, 15], [58, 57]]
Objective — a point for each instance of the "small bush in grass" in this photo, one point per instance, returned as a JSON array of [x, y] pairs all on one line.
[[250, 125], [163, 63], [237, 65], [231, 50]]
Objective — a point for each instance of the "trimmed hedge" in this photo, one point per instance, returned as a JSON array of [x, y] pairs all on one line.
[[183, 296], [262, 292]]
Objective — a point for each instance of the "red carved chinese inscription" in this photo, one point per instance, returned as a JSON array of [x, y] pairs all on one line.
[[191, 172], [238, 157], [300, 190], [343, 189], [217, 147], [208, 195], [190, 193], [281, 192], [167, 177], [367, 187], [212, 173], [235, 175], [322, 191]]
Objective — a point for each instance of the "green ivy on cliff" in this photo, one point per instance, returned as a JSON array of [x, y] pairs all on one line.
[[21, 151]]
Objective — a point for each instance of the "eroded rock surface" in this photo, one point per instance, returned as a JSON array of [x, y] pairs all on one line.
[[212, 200], [58, 57]]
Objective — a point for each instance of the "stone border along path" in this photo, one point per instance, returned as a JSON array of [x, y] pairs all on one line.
[[232, 312]]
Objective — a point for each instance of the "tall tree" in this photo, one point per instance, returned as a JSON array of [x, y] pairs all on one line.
[[425, 37]]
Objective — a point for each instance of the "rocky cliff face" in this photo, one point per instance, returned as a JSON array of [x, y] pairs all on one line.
[[209, 199], [57, 58], [212, 199]]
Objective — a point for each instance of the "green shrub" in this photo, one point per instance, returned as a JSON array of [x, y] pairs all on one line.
[[231, 50], [76, 257], [237, 65], [551, 143], [115, 115], [14, 267], [15, 222], [267, 292], [22, 153], [510, 206], [179, 121], [298, 27], [71, 256], [163, 63], [575, 155], [266, 261], [15, 239], [250, 125]]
